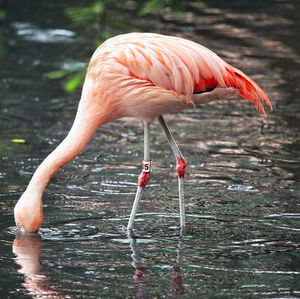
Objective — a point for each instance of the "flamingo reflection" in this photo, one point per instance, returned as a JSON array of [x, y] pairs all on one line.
[[140, 275], [176, 285], [27, 247]]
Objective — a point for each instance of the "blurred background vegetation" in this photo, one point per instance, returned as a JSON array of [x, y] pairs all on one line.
[[2, 40]]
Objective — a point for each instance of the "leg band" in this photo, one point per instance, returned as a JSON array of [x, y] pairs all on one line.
[[145, 174], [180, 167]]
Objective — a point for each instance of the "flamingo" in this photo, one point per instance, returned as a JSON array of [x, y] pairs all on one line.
[[141, 75]]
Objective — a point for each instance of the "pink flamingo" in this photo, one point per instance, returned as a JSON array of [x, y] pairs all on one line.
[[142, 75]]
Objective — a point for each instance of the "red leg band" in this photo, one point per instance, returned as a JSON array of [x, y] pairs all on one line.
[[145, 174], [180, 167], [143, 179]]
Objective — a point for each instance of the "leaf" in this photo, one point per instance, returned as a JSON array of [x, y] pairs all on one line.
[[151, 6], [103, 37], [75, 81], [80, 15], [86, 14], [57, 74], [98, 7], [3, 151], [16, 140], [201, 4]]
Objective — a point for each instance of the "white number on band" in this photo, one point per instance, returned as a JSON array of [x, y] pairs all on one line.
[[147, 166]]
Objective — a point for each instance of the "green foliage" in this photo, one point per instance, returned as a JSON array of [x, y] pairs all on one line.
[[75, 81], [2, 15], [82, 15], [103, 37], [74, 72], [151, 6], [2, 46], [58, 74], [201, 4], [3, 151]]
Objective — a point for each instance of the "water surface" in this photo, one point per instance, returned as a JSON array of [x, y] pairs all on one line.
[[242, 184]]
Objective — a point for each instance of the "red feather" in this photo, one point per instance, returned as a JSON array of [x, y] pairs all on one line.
[[248, 88]]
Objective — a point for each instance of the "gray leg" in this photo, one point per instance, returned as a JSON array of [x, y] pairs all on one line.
[[144, 176], [180, 168]]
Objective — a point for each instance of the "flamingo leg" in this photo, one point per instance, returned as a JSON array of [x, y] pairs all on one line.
[[180, 168], [144, 176]]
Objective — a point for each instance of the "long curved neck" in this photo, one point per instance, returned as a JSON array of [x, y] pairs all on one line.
[[93, 110], [82, 130]]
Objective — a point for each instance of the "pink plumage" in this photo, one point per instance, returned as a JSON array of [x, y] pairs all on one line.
[[143, 75], [174, 64]]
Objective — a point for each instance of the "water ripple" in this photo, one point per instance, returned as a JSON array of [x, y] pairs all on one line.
[[242, 188], [32, 33]]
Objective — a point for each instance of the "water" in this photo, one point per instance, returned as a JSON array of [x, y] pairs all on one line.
[[242, 185]]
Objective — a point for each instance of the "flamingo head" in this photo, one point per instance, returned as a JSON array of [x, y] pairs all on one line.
[[28, 213]]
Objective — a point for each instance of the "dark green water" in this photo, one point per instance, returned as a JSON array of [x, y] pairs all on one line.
[[242, 185]]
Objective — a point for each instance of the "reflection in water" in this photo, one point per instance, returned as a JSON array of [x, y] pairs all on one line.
[[140, 274], [176, 285], [27, 248]]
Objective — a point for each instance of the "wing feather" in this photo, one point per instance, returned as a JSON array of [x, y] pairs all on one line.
[[178, 65]]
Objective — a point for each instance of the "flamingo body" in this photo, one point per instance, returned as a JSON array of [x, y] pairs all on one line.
[[141, 75]]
